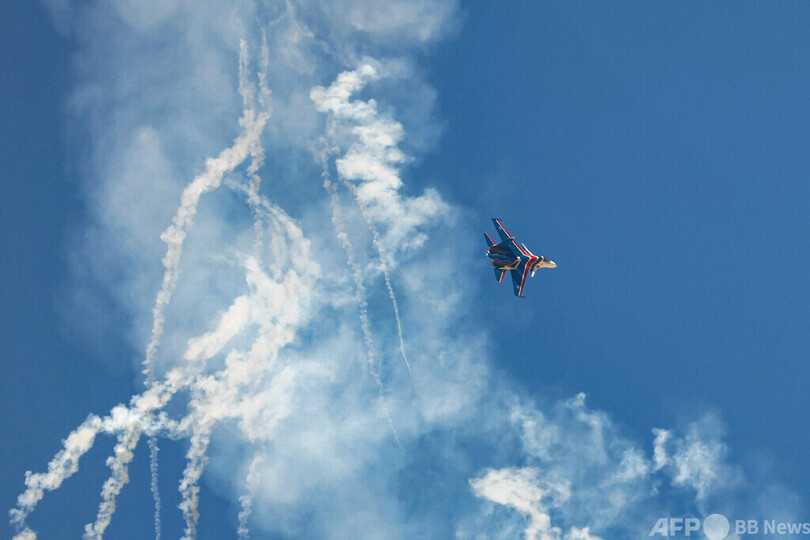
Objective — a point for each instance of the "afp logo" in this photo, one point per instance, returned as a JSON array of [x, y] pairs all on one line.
[[715, 527]]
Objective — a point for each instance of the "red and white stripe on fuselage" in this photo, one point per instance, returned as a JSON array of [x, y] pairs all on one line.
[[526, 269]]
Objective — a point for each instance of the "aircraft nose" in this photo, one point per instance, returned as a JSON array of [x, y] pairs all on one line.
[[552, 264]]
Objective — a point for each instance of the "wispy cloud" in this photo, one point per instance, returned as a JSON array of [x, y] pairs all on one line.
[[698, 459], [525, 491]]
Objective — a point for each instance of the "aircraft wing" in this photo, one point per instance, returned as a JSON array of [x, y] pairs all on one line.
[[502, 232], [508, 239]]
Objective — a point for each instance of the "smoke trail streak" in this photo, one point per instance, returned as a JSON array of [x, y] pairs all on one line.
[[123, 452], [64, 464], [189, 485], [260, 205], [275, 307], [231, 380], [154, 485], [246, 500], [121, 421], [362, 304], [201, 433], [199, 350], [248, 92], [227, 393], [174, 236], [257, 159], [130, 422], [206, 391], [376, 151], [386, 273], [264, 89], [246, 89], [360, 289]]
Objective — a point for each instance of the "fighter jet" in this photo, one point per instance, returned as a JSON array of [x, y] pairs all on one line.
[[515, 258]]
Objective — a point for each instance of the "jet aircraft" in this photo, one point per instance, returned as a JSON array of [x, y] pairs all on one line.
[[509, 256]]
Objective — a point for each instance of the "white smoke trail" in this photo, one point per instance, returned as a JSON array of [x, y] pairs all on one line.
[[246, 500], [121, 420], [189, 485], [174, 236], [221, 390], [230, 158], [247, 91], [154, 484], [160, 392], [362, 304], [360, 288], [264, 66], [375, 238], [64, 464], [202, 425], [203, 348], [272, 307], [357, 274], [130, 422], [123, 452], [372, 159], [254, 202]]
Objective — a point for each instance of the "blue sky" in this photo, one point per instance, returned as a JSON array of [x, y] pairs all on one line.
[[654, 151]]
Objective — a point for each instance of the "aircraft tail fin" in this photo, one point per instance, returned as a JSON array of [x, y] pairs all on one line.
[[504, 248], [499, 274], [489, 240]]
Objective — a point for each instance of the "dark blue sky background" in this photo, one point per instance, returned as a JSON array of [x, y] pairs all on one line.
[[655, 151]]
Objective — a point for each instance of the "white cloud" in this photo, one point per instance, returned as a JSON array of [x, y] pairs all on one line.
[[523, 490], [696, 460]]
